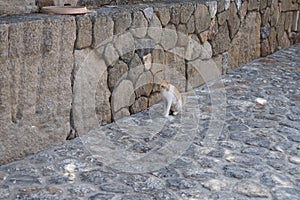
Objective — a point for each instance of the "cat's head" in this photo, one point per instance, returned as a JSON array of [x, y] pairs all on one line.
[[164, 85]]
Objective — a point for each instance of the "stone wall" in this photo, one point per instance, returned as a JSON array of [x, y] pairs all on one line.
[[83, 71]]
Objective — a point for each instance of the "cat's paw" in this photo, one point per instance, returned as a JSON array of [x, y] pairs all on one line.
[[175, 113]]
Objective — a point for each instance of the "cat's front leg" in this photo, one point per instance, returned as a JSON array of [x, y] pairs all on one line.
[[168, 107]]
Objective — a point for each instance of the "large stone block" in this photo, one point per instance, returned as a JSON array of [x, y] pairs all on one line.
[[273, 40], [246, 44], [5, 114], [90, 105], [288, 5], [155, 29], [144, 84], [233, 20], [117, 73], [84, 32], [202, 18], [17, 7], [123, 96], [222, 17], [122, 21], [139, 105], [139, 25], [136, 68], [175, 14], [265, 16], [186, 12], [102, 98], [163, 14], [190, 26], [103, 29], [125, 46], [222, 40], [253, 5], [169, 37], [39, 69]]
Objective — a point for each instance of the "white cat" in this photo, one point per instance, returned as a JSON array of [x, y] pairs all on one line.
[[173, 100]]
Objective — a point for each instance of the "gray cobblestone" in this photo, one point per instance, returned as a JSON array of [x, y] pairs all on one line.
[[256, 155]]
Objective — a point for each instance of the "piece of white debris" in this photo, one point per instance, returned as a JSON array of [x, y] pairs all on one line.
[[261, 101]]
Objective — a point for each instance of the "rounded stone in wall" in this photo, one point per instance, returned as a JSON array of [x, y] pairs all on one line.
[[123, 96], [144, 84]]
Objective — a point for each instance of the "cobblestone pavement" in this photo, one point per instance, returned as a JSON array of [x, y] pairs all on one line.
[[246, 147]]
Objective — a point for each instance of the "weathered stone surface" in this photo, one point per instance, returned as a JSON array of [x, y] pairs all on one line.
[[265, 16], [275, 14], [222, 40], [204, 36], [139, 25], [103, 30], [216, 185], [175, 14], [117, 73], [39, 89], [288, 5], [155, 29], [144, 84], [169, 37], [202, 18], [175, 72], [84, 32], [5, 94], [136, 68], [199, 72], [263, 4], [144, 46], [163, 14], [273, 40], [283, 41], [102, 103], [186, 12], [251, 189], [154, 98], [120, 114], [124, 45], [158, 57], [193, 49], [288, 21], [242, 52], [182, 35], [235, 167], [253, 5], [233, 21], [90, 91], [243, 10], [122, 21], [206, 51], [222, 17], [111, 55], [17, 7], [139, 105], [123, 96], [265, 48], [190, 26]]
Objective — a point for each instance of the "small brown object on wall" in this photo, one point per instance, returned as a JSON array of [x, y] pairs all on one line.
[[64, 10]]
